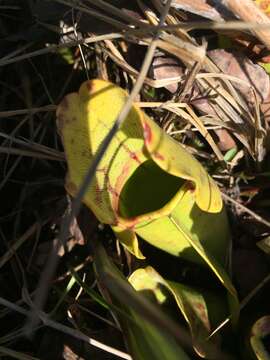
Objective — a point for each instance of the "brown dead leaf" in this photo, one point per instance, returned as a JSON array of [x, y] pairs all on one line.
[[239, 66], [76, 233], [165, 67], [252, 80], [44, 248], [75, 238], [199, 7], [226, 142]]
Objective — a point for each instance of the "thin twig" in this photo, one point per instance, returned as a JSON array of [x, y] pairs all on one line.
[[243, 303], [14, 247], [101, 16], [79, 335], [105, 6], [65, 329], [247, 210], [55, 48], [253, 292], [29, 153], [228, 25], [15, 354]]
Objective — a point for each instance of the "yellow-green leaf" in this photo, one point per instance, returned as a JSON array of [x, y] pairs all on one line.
[[145, 327], [194, 305], [146, 184]]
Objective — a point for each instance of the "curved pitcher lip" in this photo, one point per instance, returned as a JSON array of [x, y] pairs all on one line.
[[136, 221], [150, 133]]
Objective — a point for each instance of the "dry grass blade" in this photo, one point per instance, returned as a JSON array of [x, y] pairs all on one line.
[[15, 354], [80, 336], [16, 52], [19, 242], [115, 11], [224, 99], [228, 25], [229, 106], [181, 46], [29, 153], [191, 117], [11, 113], [247, 210], [55, 48], [11, 336], [98, 15], [231, 95], [10, 7], [9, 172], [260, 132], [131, 71], [184, 50], [36, 150]]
